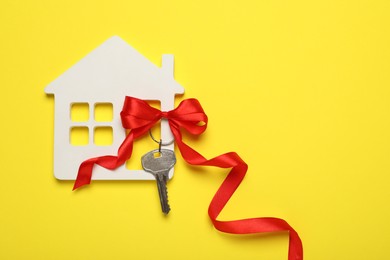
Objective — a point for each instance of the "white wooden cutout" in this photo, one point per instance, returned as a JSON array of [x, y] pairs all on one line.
[[106, 75]]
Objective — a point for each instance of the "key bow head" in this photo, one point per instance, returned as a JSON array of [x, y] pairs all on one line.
[[162, 163]]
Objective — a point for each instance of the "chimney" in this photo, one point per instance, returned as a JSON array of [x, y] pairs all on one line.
[[167, 64]]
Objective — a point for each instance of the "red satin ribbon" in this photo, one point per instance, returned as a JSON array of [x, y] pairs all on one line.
[[138, 116]]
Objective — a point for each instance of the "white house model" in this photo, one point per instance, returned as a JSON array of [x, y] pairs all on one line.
[[105, 76]]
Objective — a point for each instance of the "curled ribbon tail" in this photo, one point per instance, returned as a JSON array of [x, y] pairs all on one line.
[[110, 162], [137, 116], [227, 189]]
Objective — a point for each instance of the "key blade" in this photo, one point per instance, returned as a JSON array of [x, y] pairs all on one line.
[[160, 166], [163, 193]]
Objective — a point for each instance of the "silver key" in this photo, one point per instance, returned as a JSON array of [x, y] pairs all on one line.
[[159, 163]]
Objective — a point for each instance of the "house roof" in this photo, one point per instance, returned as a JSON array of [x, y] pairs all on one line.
[[116, 69]]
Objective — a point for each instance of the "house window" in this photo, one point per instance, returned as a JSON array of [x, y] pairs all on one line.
[[79, 112], [103, 112], [79, 136], [91, 126], [102, 135]]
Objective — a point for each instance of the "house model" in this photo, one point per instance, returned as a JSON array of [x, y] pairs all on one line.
[[103, 78]]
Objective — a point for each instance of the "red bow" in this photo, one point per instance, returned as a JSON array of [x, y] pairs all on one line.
[[139, 117]]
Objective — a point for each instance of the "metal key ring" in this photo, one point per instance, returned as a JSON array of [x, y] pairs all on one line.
[[160, 143]]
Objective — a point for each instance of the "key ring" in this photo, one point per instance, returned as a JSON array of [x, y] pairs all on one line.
[[160, 143]]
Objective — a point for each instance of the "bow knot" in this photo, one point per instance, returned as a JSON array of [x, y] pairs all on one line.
[[164, 114]]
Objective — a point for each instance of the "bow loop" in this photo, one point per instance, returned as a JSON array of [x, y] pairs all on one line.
[[136, 113], [190, 116]]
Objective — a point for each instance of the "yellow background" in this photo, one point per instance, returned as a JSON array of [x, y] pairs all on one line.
[[300, 89]]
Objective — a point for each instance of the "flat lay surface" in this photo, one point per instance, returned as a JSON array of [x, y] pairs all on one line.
[[300, 90]]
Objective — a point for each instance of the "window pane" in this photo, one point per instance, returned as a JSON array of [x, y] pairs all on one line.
[[79, 112], [103, 112], [79, 136], [103, 136]]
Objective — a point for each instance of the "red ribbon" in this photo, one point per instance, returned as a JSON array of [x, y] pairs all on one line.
[[139, 116]]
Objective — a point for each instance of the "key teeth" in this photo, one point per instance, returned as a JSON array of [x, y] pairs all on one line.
[[167, 211], [168, 207]]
